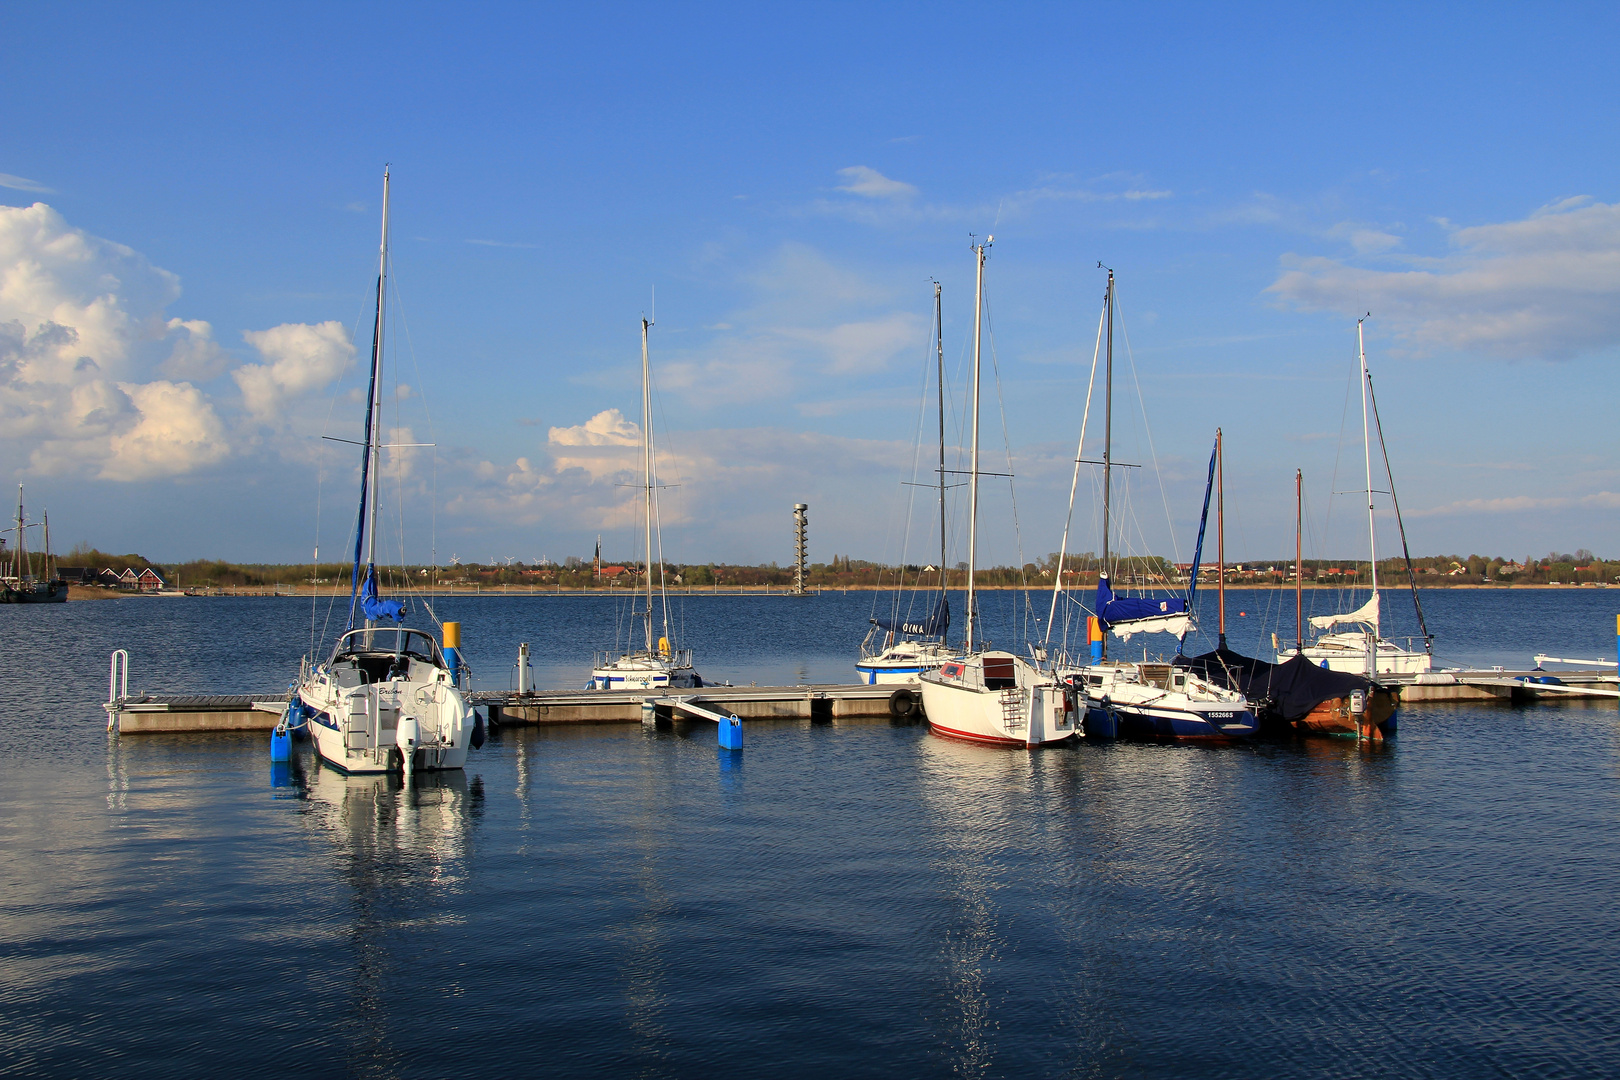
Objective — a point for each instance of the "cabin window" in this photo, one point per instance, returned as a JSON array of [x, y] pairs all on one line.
[[999, 673]]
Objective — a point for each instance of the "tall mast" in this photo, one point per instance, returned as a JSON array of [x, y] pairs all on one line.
[[374, 431], [1366, 449], [939, 345], [973, 474], [1108, 435], [1220, 532], [46, 566], [646, 463], [19, 554], [1299, 561]]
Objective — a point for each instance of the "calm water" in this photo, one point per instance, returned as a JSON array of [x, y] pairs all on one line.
[[843, 900]]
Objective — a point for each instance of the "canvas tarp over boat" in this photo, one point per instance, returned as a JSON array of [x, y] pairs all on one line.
[[1127, 615], [1289, 690]]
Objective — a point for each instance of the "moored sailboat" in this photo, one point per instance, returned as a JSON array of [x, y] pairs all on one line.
[[385, 700], [1297, 694], [659, 662], [992, 696], [22, 585], [898, 649], [1146, 699], [1364, 650]]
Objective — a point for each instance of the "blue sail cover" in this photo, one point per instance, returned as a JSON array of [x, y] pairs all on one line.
[[375, 607], [934, 625], [1116, 610]]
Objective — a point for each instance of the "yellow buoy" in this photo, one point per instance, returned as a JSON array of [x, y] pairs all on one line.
[[663, 646]]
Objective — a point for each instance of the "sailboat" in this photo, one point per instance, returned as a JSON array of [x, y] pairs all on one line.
[[992, 696], [658, 663], [22, 586], [900, 649], [1148, 699], [385, 700], [1296, 694], [1364, 650]]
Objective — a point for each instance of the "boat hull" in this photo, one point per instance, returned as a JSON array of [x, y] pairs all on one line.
[[1021, 709], [1337, 716], [371, 727], [645, 671], [1111, 720], [42, 592], [904, 662]]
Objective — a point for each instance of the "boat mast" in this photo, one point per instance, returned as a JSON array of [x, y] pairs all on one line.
[[369, 475], [46, 566], [1366, 449], [1299, 561], [1220, 533], [19, 554], [1108, 434], [646, 464], [939, 346], [973, 473]]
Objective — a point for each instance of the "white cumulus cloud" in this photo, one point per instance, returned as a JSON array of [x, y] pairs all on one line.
[[603, 446], [301, 358], [82, 328], [1547, 286]]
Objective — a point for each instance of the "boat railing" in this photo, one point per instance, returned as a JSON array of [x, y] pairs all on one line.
[[674, 658]]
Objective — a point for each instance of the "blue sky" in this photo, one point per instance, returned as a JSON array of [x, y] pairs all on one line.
[[192, 201]]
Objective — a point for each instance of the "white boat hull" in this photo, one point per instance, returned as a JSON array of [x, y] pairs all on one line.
[[903, 663], [1348, 652], [1000, 700], [417, 720], [644, 671]]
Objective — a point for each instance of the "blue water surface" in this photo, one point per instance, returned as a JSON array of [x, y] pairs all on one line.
[[850, 899]]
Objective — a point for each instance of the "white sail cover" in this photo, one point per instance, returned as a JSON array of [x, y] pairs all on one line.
[[1366, 615], [1169, 624]]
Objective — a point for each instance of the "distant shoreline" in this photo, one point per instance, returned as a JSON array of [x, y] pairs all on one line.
[[91, 592]]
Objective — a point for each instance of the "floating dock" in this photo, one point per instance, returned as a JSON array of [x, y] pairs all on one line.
[[157, 713], [1501, 685], [152, 714], [827, 702]]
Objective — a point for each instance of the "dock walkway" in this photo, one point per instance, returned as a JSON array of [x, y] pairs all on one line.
[[155, 713]]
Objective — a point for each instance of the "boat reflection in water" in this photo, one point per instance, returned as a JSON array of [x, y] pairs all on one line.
[[415, 825], [991, 821]]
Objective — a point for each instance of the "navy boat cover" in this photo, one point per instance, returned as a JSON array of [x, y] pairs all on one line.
[[1115, 610], [1289, 690]]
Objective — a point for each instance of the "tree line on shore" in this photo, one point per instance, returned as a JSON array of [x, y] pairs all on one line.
[[842, 571]]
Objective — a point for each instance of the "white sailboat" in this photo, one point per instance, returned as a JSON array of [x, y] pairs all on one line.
[[898, 650], [1363, 650], [385, 700], [992, 696], [1147, 699], [658, 663]]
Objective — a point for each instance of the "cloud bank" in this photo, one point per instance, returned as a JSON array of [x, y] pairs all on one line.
[[98, 380], [1545, 287]]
